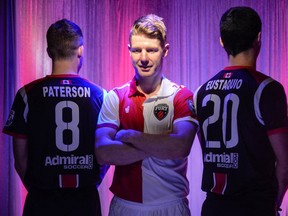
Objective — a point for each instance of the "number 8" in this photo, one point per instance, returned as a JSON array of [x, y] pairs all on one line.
[[72, 126]]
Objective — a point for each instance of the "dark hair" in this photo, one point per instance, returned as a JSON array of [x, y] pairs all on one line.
[[239, 27], [63, 38]]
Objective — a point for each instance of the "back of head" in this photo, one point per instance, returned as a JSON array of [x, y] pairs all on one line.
[[151, 26], [63, 38], [239, 27]]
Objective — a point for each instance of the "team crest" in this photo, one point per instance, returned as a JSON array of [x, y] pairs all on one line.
[[161, 111], [10, 118]]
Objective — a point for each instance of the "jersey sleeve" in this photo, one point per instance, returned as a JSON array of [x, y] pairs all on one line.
[[109, 114], [16, 123], [273, 106], [183, 106]]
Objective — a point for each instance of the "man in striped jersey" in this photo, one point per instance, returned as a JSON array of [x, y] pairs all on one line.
[[146, 129]]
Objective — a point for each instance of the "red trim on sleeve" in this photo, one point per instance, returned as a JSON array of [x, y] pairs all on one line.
[[23, 136], [108, 125], [277, 131]]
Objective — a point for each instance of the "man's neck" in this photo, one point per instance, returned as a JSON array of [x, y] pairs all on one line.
[[64, 67], [149, 87], [247, 58]]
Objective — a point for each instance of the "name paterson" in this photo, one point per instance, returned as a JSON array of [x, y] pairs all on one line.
[[66, 91]]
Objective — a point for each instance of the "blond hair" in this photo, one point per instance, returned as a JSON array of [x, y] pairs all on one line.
[[151, 26]]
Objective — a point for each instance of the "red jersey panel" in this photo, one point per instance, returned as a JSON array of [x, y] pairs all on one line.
[[151, 180]]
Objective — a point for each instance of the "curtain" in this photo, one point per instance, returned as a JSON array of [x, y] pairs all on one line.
[[11, 202], [194, 56]]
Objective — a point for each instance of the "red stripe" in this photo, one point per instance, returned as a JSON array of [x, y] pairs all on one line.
[[219, 183], [69, 181]]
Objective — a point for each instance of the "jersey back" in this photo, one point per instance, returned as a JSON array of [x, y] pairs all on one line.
[[234, 119], [58, 116]]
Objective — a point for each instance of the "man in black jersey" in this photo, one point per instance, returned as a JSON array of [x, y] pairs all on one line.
[[53, 122], [243, 123]]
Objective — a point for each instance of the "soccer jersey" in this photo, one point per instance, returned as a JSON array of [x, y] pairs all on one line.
[[58, 115], [237, 110], [152, 180]]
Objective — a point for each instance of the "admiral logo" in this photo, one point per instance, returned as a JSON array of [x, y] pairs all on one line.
[[70, 162], [222, 160], [161, 111]]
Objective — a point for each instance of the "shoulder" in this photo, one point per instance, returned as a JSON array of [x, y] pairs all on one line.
[[34, 83], [123, 90]]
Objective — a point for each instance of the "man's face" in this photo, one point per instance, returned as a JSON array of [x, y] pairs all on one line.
[[147, 56]]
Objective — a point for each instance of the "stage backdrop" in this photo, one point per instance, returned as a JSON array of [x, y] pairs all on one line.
[[195, 55]]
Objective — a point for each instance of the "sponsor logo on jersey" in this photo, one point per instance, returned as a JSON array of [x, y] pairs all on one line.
[[161, 111], [10, 118], [70, 162], [222, 160]]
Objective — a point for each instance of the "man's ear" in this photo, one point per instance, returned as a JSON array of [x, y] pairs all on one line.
[[129, 48], [259, 37], [221, 42], [165, 50], [48, 52], [80, 51]]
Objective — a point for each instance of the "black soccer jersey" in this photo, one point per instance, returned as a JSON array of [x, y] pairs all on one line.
[[58, 115], [236, 111]]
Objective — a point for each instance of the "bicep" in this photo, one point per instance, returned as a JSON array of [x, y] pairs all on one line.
[[104, 136], [279, 143], [185, 129], [20, 148]]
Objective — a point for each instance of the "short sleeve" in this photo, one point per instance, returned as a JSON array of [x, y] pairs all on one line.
[[109, 114], [273, 106]]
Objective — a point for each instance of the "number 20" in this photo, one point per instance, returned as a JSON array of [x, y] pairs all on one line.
[[216, 117], [72, 126]]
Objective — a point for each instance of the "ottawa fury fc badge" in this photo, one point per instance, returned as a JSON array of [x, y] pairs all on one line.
[[161, 111]]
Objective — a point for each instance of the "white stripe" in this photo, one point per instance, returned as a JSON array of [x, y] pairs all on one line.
[[195, 98], [257, 96], [60, 181], [25, 100], [77, 181], [215, 184]]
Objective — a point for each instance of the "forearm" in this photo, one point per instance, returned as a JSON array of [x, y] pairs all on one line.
[[279, 144], [175, 145], [164, 146], [282, 177], [110, 151], [20, 151], [118, 154], [21, 169]]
